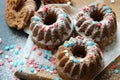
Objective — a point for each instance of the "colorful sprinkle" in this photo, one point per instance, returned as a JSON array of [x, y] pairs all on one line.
[[15, 79], [85, 9], [80, 37], [7, 48], [71, 57], [11, 46], [66, 45], [52, 68], [39, 53], [55, 72], [91, 43], [95, 22], [21, 69], [46, 67], [15, 64], [16, 52], [90, 55], [75, 60], [39, 66], [22, 63], [108, 11], [45, 8], [6, 56], [32, 70], [114, 66], [1, 63], [40, 26], [36, 18], [48, 52], [1, 51], [99, 24], [116, 71], [18, 47], [107, 7], [56, 24], [45, 29], [9, 60], [34, 48], [36, 25], [73, 24], [72, 43], [57, 78], [65, 15]]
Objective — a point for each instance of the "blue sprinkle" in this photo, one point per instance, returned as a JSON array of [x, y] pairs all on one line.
[[108, 11], [73, 24], [91, 43], [16, 52], [65, 15], [72, 43], [95, 22], [47, 57], [46, 67], [116, 71], [36, 18], [107, 7], [7, 48], [93, 4], [75, 60], [48, 52], [66, 44], [39, 66], [52, 68], [21, 63], [57, 78], [32, 70], [15, 64], [11, 46], [36, 25], [113, 60], [21, 70]]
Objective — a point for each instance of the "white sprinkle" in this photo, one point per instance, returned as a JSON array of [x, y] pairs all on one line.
[[11, 50], [31, 65], [6, 56], [11, 63], [65, 51], [71, 57], [67, 54], [81, 60], [112, 1], [26, 56], [0, 40], [35, 71], [48, 70]]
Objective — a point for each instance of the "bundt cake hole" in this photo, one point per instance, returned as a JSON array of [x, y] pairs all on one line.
[[96, 15], [79, 51], [50, 19], [38, 3]]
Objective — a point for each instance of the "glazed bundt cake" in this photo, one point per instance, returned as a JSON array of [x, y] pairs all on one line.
[[98, 22], [79, 59], [50, 27]]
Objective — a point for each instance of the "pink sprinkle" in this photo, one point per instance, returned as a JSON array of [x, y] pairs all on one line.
[[42, 69], [1, 63], [37, 69], [1, 51], [56, 24], [18, 47], [34, 48], [31, 61], [45, 8], [35, 65], [13, 70], [45, 30], [14, 78], [62, 18], [85, 9], [83, 17], [99, 24], [52, 59], [90, 55], [51, 26], [39, 53], [0, 40], [110, 18], [9, 60], [40, 26], [55, 72], [114, 66], [28, 65], [80, 37], [53, 62], [93, 49], [91, 19]]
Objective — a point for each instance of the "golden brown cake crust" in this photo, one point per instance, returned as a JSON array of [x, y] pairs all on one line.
[[19, 12], [98, 22], [79, 59], [50, 27]]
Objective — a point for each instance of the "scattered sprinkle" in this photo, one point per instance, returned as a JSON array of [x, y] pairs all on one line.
[[39, 66], [6, 56], [36, 18], [114, 66], [18, 47], [32, 70], [116, 71], [1, 63], [90, 55], [112, 1], [57, 78], [21, 69], [107, 7], [99, 24], [56, 24], [66, 44], [46, 67], [34, 48], [1, 51], [95, 22], [39, 53], [7, 48], [109, 11], [15, 64], [22, 63], [72, 43], [15, 79], [16, 52], [52, 68], [0, 40], [9, 60], [75, 60], [47, 57], [45, 8], [48, 52], [11, 46], [91, 43]]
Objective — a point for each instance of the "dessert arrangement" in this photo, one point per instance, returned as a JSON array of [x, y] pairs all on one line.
[[71, 42]]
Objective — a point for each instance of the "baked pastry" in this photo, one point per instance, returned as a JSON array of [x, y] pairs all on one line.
[[98, 22], [19, 12], [79, 59], [55, 1], [50, 27]]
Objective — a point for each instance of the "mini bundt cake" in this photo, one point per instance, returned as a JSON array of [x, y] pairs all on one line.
[[98, 22], [50, 27], [79, 59]]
